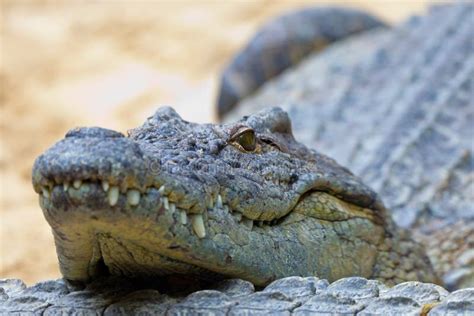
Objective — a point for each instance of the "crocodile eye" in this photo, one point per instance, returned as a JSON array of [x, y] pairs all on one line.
[[247, 140]]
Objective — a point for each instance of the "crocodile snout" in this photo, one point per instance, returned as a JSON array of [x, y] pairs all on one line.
[[93, 132], [91, 154]]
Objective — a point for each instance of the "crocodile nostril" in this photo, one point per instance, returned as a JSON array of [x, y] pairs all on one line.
[[93, 132]]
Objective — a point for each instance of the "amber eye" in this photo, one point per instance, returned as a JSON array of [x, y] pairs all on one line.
[[244, 139], [247, 140]]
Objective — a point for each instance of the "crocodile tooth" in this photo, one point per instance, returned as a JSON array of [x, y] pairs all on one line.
[[183, 217], [45, 192], [160, 202], [77, 184], [133, 197], [198, 225], [65, 186], [219, 201], [211, 204], [225, 208], [247, 222], [113, 195], [105, 186], [166, 203], [161, 190], [172, 207]]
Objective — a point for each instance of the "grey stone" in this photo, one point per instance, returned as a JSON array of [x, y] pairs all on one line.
[[355, 288], [34, 299], [47, 291], [264, 303], [460, 302], [81, 303], [207, 302], [461, 295], [235, 287], [328, 304], [144, 302], [297, 287], [392, 306], [3, 295], [293, 295], [12, 286], [453, 308], [23, 305], [422, 293]]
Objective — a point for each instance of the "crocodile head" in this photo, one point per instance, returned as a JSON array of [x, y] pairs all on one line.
[[237, 200]]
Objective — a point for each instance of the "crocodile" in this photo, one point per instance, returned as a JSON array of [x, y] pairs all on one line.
[[245, 200]]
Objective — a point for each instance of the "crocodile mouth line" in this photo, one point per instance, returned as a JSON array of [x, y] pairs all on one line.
[[131, 198], [168, 265]]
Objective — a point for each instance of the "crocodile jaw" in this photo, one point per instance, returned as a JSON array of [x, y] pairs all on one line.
[[159, 240]]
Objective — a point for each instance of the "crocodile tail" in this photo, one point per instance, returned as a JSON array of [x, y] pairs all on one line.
[[283, 42]]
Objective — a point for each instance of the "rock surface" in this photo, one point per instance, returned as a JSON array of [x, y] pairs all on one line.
[[288, 296]]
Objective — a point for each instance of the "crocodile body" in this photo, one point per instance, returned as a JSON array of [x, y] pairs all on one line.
[[282, 43], [396, 107], [177, 198]]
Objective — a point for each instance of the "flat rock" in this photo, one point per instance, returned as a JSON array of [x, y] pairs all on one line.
[[235, 287], [392, 306], [264, 303], [460, 302], [326, 303], [144, 302], [23, 305], [422, 293], [287, 296], [297, 287], [207, 302], [12, 286], [356, 288]]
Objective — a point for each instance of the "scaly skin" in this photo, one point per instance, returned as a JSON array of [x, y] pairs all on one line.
[[282, 43], [289, 296], [205, 200], [396, 107]]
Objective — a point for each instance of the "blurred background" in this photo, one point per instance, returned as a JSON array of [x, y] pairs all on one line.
[[110, 64]]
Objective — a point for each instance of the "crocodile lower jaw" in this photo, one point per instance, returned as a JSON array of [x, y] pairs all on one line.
[[137, 233], [148, 233]]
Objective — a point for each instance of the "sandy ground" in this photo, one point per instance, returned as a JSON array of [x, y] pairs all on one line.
[[108, 64]]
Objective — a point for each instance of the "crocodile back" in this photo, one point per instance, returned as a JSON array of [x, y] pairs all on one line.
[[282, 43]]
